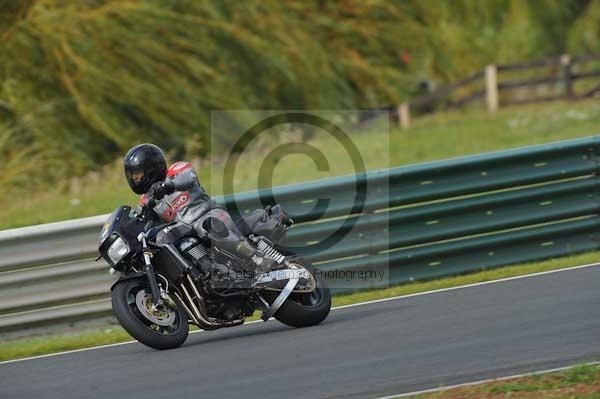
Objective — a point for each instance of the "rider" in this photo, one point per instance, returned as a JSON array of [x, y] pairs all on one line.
[[178, 196]]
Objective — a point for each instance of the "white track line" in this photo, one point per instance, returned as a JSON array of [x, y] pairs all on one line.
[[335, 308], [468, 384], [458, 287]]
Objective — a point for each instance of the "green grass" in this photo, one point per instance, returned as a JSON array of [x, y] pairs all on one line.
[[438, 136], [55, 343], [578, 382]]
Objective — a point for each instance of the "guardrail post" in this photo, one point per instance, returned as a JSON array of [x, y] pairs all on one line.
[[566, 63], [404, 115], [491, 88]]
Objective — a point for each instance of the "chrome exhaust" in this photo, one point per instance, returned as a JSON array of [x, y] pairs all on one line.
[[200, 320], [200, 300], [194, 310], [190, 314], [209, 322]]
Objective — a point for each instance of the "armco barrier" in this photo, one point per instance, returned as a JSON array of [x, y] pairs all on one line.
[[421, 221]]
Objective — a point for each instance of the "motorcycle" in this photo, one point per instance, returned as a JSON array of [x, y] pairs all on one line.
[[173, 276]]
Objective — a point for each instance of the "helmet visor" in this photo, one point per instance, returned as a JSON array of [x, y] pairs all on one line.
[[137, 177], [138, 180]]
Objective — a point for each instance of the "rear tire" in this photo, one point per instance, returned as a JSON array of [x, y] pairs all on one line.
[[142, 329], [304, 309]]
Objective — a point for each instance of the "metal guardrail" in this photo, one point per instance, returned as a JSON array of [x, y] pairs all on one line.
[[417, 222]]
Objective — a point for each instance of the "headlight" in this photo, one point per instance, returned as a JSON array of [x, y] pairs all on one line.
[[118, 250]]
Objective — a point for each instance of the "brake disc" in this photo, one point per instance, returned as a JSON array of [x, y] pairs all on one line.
[[163, 316]]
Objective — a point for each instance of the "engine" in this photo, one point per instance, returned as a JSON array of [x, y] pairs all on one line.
[[195, 252]]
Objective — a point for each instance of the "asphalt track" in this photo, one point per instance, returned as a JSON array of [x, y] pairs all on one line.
[[371, 350]]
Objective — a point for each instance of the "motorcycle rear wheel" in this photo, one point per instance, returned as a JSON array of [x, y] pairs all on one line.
[[304, 309]]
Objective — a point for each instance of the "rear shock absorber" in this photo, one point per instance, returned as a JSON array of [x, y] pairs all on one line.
[[269, 251]]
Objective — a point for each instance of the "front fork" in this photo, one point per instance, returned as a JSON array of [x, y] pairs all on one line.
[[149, 270]]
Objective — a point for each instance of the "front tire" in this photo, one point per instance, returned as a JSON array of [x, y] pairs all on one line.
[[126, 297]]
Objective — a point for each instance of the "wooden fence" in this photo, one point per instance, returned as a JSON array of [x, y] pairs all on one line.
[[560, 74]]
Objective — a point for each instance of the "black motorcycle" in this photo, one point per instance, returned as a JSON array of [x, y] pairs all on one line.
[[172, 276]]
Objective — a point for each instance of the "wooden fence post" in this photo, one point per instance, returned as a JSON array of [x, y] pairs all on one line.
[[491, 88], [404, 115], [566, 63]]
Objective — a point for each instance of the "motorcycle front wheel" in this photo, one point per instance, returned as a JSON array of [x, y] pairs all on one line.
[[164, 328]]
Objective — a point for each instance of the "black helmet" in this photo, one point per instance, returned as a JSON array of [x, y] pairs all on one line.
[[145, 164]]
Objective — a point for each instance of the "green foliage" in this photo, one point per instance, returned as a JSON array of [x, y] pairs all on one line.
[[81, 81], [584, 37]]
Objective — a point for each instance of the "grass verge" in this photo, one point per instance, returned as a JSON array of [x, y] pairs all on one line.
[[578, 382], [432, 137], [56, 343]]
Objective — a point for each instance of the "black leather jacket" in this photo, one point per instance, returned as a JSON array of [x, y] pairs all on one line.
[[189, 202]]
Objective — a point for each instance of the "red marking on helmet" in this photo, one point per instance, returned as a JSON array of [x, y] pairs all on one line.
[[143, 199], [178, 167]]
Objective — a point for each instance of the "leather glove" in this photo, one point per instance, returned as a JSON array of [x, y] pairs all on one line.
[[159, 189], [168, 187]]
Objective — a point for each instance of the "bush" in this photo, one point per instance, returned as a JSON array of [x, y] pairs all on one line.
[[80, 82]]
